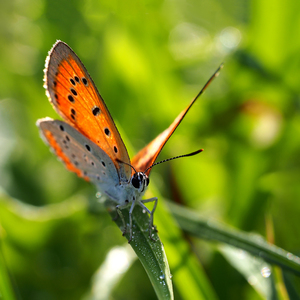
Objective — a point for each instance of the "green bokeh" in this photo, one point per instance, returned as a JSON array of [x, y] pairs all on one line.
[[149, 59]]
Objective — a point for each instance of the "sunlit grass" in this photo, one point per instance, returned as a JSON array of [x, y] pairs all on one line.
[[148, 61]]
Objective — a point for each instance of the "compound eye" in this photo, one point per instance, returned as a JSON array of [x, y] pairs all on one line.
[[147, 181], [135, 182]]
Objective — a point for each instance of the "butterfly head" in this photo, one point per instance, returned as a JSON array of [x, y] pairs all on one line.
[[139, 181]]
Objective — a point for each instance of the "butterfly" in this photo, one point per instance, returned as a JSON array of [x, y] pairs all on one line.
[[88, 141]]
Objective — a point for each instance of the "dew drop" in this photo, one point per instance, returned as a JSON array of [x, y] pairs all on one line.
[[265, 272]]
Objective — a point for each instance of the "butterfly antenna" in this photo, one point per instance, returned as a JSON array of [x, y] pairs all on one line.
[[216, 74], [175, 157], [123, 162]]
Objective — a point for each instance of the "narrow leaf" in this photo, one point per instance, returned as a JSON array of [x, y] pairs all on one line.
[[192, 223]]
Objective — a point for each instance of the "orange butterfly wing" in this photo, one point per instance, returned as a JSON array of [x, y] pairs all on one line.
[[75, 97], [51, 140], [147, 156]]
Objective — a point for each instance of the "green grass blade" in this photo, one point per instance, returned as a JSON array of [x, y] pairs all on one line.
[[151, 254], [255, 270], [189, 277], [192, 223]]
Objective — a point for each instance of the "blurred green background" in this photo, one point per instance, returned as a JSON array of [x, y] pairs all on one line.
[[148, 60]]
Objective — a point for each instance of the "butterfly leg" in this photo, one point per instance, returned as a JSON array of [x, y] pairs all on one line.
[[120, 214], [130, 219], [118, 208], [151, 213]]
